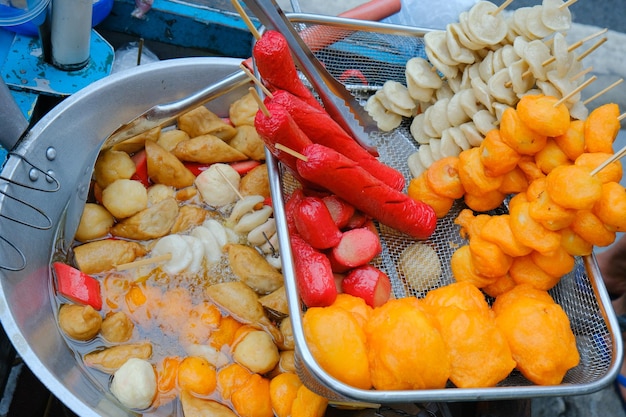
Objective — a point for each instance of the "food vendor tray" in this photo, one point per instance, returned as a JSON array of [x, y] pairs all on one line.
[[363, 55]]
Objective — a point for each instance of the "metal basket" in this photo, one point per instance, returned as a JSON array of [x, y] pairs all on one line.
[[363, 55]]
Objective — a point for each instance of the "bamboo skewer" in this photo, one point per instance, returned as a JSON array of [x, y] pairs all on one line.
[[142, 262], [502, 7], [567, 3], [616, 156], [599, 93], [590, 50], [291, 152], [230, 184], [581, 73], [576, 90], [246, 19], [256, 81], [260, 102]]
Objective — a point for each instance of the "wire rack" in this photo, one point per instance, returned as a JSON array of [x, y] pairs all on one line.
[[363, 56]]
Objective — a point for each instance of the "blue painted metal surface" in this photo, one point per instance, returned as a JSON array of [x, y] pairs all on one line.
[[25, 69], [216, 31]]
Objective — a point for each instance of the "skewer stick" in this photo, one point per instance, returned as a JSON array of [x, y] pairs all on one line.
[[246, 19], [615, 157], [259, 101], [581, 73], [256, 81], [567, 3], [146, 261], [291, 152], [230, 184], [575, 90], [575, 45], [590, 50], [599, 93], [502, 7], [621, 117]]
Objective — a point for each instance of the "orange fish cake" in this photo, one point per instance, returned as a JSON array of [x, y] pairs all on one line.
[[588, 226], [571, 186], [443, 177], [497, 157], [518, 135], [498, 230], [420, 190], [525, 271], [574, 244], [601, 128], [611, 172], [463, 270], [550, 157], [543, 114], [572, 142], [528, 231], [611, 207], [473, 176]]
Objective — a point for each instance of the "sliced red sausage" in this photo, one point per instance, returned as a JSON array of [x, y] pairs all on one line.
[[314, 275]]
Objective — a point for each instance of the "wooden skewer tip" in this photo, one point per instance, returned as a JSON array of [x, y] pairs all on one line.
[[575, 91], [260, 102], [291, 152], [246, 19]]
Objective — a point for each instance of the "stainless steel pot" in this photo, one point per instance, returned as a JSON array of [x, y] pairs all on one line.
[[63, 144]]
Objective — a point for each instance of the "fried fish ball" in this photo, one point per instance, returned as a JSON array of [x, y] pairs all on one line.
[[497, 157], [134, 384], [242, 111], [111, 166], [253, 269], [611, 206], [572, 186], [601, 128], [550, 157], [499, 286], [556, 263], [528, 165], [572, 142], [525, 271], [165, 168], [463, 270], [154, 222], [256, 351], [544, 210], [112, 358], [484, 202], [216, 184], [79, 322], [420, 190], [574, 244], [443, 177], [103, 255], [588, 226], [124, 198], [528, 231], [473, 176], [498, 230], [610, 173], [248, 142], [95, 223], [518, 135], [514, 181], [170, 138], [117, 327], [488, 259], [541, 114]]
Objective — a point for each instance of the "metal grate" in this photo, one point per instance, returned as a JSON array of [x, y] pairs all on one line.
[[364, 59]]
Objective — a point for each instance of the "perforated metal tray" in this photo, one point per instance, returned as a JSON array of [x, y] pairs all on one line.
[[354, 51]]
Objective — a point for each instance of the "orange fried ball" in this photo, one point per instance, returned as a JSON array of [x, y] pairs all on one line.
[[514, 182], [525, 271], [550, 157], [197, 375], [485, 202], [499, 286], [518, 134], [337, 342], [488, 259], [589, 227], [574, 244], [498, 230], [497, 157], [611, 207], [420, 190], [611, 172], [480, 355], [539, 334], [283, 391], [463, 270], [572, 142], [473, 176], [601, 128], [545, 211], [556, 263], [528, 231], [543, 114], [572, 186], [443, 177], [405, 349]]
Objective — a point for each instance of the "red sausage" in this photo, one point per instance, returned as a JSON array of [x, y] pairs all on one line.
[[322, 129], [342, 176], [315, 224], [273, 59], [314, 276]]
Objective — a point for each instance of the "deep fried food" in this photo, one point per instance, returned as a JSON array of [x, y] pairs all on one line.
[[542, 114], [571, 186]]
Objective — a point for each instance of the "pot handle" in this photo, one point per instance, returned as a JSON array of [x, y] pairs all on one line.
[[13, 122]]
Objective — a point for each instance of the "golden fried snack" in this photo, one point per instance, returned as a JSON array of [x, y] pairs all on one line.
[[473, 176], [485, 202], [95, 223], [529, 167], [243, 110], [199, 407], [528, 231], [571, 186], [253, 269], [443, 177], [202, 121], [79, 322], [412, 355], [588, 226], [137, 143], [117, 327], [574, 244], [165, 168], [255, 182], [514, 181], [572, 142], [499, 286], [611, 172], [154, 222], [518, 135], [207, 149], [110, 359], [498, 230], [525, 271], [545, 211], [170, 138], [112, 166], [556, 263], [497, 157], [541, 114], [488, 259], [471, 225], [103, 255], [550, 157], [479, 353], [420, 190], [463, 269], [463, 295], [248, 142], [601, 128], [611, 207], [188, 217], [539, 334]]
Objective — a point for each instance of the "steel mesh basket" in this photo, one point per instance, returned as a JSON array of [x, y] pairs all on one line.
[[363, 55]]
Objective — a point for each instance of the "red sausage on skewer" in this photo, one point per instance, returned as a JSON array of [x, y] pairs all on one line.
[[314, 275], [342, 176]]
